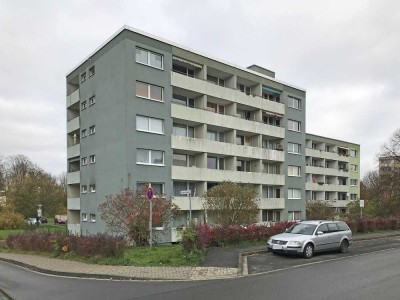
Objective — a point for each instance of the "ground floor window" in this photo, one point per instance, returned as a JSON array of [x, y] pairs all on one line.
[[294, 215], [269, 215]]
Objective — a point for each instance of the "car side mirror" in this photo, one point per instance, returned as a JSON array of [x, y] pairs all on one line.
[[320, 233]]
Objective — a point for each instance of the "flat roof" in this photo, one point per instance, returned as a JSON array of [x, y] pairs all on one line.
[[328, 138], [154, 37]]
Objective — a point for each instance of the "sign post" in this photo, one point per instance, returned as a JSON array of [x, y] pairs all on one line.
[[150, 196], [362, 204]]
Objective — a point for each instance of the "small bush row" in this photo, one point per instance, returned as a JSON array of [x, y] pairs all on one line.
[[102, 245], [368, 225]]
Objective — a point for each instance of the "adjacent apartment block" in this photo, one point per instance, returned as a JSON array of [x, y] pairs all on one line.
[[141, 109], [332, 171]]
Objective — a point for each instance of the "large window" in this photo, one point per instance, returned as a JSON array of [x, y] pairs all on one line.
[[353, 182], [157, 187], [182, 100], [149, 124], [294, 215], [271, 192], [183, 160], [294, 125], [294, 102], [353, 153], [182, 130], [150, 157], [215, 163], [180, 186], [183, 70], [215, 136], [294, 148], [243, 166], [294, 171], [149, 91], [216, 80], [353, 168], [149, 58], [294, 194]]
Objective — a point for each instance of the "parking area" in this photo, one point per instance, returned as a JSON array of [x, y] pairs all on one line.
[[265, 262]]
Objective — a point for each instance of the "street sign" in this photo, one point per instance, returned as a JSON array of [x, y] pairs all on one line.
[[149, 193], [186, 192], [362, 203]]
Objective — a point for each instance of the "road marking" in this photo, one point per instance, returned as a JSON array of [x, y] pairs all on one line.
[[320, 262]]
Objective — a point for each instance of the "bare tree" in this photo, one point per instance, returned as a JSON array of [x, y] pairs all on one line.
[[391, 149]]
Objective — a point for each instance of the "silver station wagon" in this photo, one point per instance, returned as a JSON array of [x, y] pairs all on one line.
[[307, 237]]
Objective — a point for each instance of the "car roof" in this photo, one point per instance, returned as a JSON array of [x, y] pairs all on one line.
[[317, 222]]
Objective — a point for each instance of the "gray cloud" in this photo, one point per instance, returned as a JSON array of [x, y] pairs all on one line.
[[345, 53]]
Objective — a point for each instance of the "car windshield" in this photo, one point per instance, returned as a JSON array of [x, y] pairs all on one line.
[[300, 228]]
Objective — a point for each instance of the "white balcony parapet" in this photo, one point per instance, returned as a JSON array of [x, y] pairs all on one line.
[[327, 155], [311, 186], [74, 177], [271, 203], [204, 87], [211, 118], [74, 203], [326, 171], [74, 229], [73, 98], [203, 174], [73, 151], [184, 203], [207, 146], [73, 125]]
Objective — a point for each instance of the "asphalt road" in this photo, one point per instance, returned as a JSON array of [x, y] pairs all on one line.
[[369, 273]]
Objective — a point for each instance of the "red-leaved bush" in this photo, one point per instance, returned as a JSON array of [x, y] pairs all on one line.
[[368, 225]]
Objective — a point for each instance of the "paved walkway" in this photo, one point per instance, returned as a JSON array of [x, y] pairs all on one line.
[[221, 263]]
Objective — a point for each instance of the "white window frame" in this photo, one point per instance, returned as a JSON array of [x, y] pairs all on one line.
[[292, 101], [92, 218], [84, 217], [92, 188], [92, 71], [292, 173], [83, 105], [291, 194], [149, 119], [353, 151], [83, 189], [353, 168], [92, 100], [84, 161], [291, 126], [83, 133], [291, 147], [292, 213], [149, 151], [92, 130], [353, 182], [148, 58], [83, 77], [181, 126], [148, 92], [92, 159]]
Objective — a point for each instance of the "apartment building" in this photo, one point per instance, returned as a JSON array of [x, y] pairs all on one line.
[[141, 109], [332, 171]]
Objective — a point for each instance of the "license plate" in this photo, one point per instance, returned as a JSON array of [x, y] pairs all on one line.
[[277, 247]]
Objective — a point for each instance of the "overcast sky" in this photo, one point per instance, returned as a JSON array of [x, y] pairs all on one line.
[[346, 54]]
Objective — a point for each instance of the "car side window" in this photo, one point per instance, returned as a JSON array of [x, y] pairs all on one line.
[[333, 227], [323, 228], [342, 226]]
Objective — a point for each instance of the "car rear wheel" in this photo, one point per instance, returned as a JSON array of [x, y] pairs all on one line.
[[308, 251], [344, 246]]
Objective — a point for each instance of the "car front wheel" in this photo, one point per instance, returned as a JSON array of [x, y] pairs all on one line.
[[308, 251], [344, 246]]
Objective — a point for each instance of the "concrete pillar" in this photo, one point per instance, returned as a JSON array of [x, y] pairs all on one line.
[[230, 163], [258, 115], [230, 136], [256, 166], [201, 102], [257, 90], [230, 82], [201, 188], [201, 160], [231, 109], [200, 131], [202, 74], [257, 141]]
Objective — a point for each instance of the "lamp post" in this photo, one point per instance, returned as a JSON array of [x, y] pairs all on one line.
[[188, 193]]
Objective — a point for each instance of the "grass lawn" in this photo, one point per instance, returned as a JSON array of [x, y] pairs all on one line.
[[43, 227]]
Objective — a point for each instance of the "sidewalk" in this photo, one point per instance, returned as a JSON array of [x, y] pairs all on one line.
[[220, 263]]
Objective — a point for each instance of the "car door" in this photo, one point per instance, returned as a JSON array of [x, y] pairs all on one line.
[[335, 235], [322, 241]]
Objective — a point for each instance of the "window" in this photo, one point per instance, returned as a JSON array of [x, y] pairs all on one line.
[[182, 130], [294, 171], [239, 140], [242, 166], [353, 196], [83, 189], [84, 217], [149, 91], [92, 218], [212, 162], [149, 58], [92, 100], [182, 100], [84, 161], [294, 194], [215, 136], [294, 125], [353, 168], [83, 133], [183, 70], [294, 102], [216, 80], [83, 77], [158, 187], [179, 186], [149, 124], [83, 105], [353, 182], [294, 215], [244, 89], [150, 157], [294, 148], [270, 192], [183, 160], [92, 159], [92, 188], [92, 130], [353, 153], [91, 71]]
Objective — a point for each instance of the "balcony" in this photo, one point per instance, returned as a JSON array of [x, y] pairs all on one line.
[[327, 155], [73, 125], [183, 203], [326, 171], [311, 186], [211, 118], [73, 98], [73, 151], [211, 89], [207, 146], [271, 203], [74, 203], [203, 174], [74, 177]]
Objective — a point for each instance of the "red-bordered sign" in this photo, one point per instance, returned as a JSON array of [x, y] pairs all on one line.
[[149, 193]]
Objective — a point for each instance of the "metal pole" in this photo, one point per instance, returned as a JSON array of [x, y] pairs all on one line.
[[151, 224], [190, 208]]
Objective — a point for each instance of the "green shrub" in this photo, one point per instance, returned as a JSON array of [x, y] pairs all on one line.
[[10, 220]]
